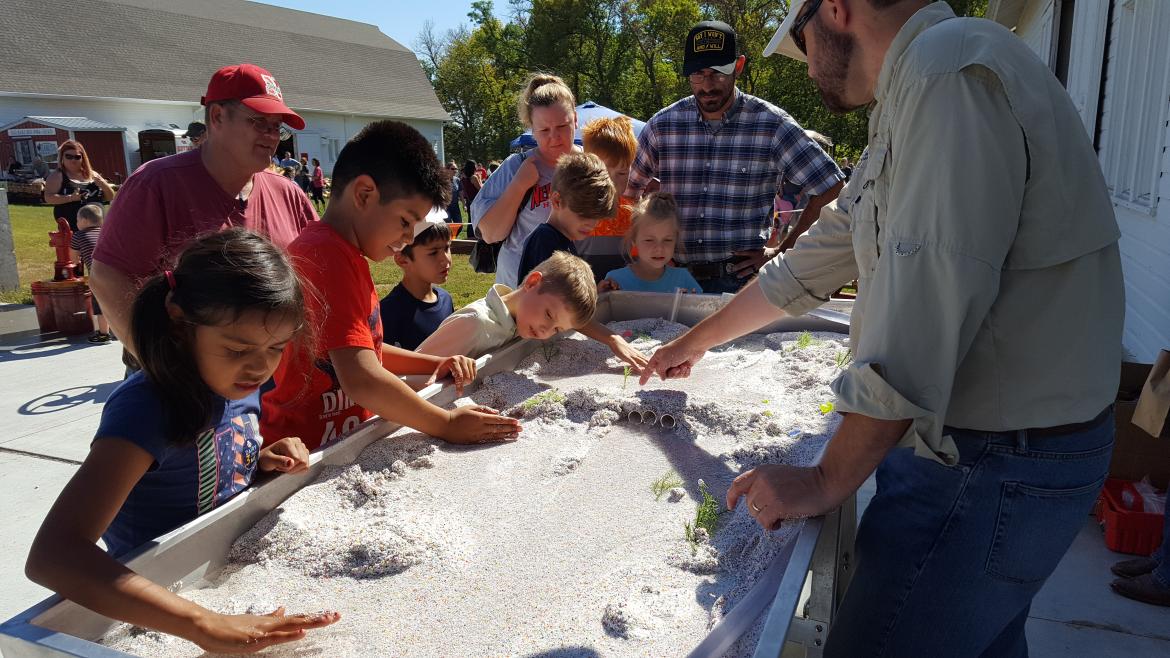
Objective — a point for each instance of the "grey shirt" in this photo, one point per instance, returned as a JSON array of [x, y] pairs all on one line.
[[983, 240]]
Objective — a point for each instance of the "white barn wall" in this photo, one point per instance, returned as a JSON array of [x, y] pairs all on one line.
[[1035, 28], [1145, 240], [320, 127]]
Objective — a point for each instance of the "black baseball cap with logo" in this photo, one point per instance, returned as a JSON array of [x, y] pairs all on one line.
[[710, 45]]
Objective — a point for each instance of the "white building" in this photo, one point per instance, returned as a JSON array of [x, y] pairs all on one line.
[[1112, 57], [142, 65]]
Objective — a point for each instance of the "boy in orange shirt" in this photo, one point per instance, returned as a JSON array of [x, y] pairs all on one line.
[[386, 180], [611, 139]]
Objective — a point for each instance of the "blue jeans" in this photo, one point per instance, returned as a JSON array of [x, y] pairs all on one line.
[[949, 557], [1162, 572]]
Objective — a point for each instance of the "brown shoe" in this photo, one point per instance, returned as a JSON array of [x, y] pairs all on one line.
[[1142, 588], [1139, 566]]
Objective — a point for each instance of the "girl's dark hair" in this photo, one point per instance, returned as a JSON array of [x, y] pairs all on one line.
[[469, 168], [218, 278]]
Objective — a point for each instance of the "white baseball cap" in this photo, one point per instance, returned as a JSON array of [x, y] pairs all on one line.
[[782, 41], [436, 217]]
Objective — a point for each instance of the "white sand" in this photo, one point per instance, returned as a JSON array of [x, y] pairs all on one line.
[[551, 545]]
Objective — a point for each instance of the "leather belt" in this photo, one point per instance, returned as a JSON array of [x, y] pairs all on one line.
[[1058, 430], [708, 270]]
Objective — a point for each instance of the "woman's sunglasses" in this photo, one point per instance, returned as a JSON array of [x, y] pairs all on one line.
[[72, 156]]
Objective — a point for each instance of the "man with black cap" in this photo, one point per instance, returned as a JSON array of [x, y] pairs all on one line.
[[722, 153], [225, 182], [196, 130]]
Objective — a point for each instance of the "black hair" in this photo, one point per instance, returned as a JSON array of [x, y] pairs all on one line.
[[469, 168], [399, 159], [430, 234], [218, 278]]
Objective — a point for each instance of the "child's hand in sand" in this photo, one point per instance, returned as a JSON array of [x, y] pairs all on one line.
[[478, 424], [461, 369], [606, 285], [628, 354], [288, 455], [217, 633]]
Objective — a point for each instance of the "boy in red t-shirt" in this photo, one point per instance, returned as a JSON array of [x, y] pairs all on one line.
[[386, 180]]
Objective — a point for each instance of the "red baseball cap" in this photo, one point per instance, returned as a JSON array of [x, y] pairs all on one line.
[[252, 86]]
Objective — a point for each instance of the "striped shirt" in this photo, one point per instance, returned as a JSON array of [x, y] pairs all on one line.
[[85, 241], [724, 174]]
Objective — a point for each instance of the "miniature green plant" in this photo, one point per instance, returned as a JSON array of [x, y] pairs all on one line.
[[552, 395], [842, 359], [626, 372], [767, 413], [806, 340], [764, 401], [668, 481], [706, 516], [641, 334], [826, 408]]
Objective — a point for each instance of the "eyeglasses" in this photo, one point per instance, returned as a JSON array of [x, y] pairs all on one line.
[[797, 30], [72, 156], [266, 127], [698, 77]]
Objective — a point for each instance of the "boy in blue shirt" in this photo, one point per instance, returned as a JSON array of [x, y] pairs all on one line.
[[417, 305], [582, 195]]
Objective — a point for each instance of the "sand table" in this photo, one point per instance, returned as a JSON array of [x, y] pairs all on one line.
[[552, 545]]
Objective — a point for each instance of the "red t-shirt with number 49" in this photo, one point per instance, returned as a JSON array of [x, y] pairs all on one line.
[[308, 401]]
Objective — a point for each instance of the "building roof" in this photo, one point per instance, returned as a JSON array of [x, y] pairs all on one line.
[[74, 123], [166, 50]]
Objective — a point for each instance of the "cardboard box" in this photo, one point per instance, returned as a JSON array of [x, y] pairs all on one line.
[[1136, 454]]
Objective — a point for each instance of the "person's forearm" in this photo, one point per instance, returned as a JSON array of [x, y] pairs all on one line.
[[598, 332], [61, 199], [88, 576], [812, 212], [383, 393], [115, 292], [856, 449], [497, 222], [405, 362], [748, 311]]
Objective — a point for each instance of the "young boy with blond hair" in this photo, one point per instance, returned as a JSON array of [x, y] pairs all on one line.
[[581, 193], [611, 139], [557, 295]]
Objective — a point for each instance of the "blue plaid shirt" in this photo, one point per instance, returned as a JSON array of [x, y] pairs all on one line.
[[724, 178]]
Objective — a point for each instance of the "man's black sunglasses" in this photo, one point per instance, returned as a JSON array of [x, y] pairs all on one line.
[[797, 30]]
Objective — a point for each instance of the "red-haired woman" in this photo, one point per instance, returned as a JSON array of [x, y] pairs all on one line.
[[75, 183]]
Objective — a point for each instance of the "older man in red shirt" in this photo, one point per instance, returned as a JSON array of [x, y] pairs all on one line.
[[225, 182]]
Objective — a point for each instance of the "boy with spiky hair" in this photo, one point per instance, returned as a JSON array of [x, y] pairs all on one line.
[[386, 181], [416, 307]]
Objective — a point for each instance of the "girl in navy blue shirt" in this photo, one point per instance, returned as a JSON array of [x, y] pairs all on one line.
[[180, 438]]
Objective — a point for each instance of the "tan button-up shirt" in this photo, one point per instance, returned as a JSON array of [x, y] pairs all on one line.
[[481, 327], [983, 240]]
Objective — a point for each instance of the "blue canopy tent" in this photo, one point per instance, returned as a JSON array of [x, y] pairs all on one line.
[[586, 112]]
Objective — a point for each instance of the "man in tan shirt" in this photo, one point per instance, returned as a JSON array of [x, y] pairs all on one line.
[[986, 334]]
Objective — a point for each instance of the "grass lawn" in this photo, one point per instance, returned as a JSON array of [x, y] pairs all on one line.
[[34, 259]]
